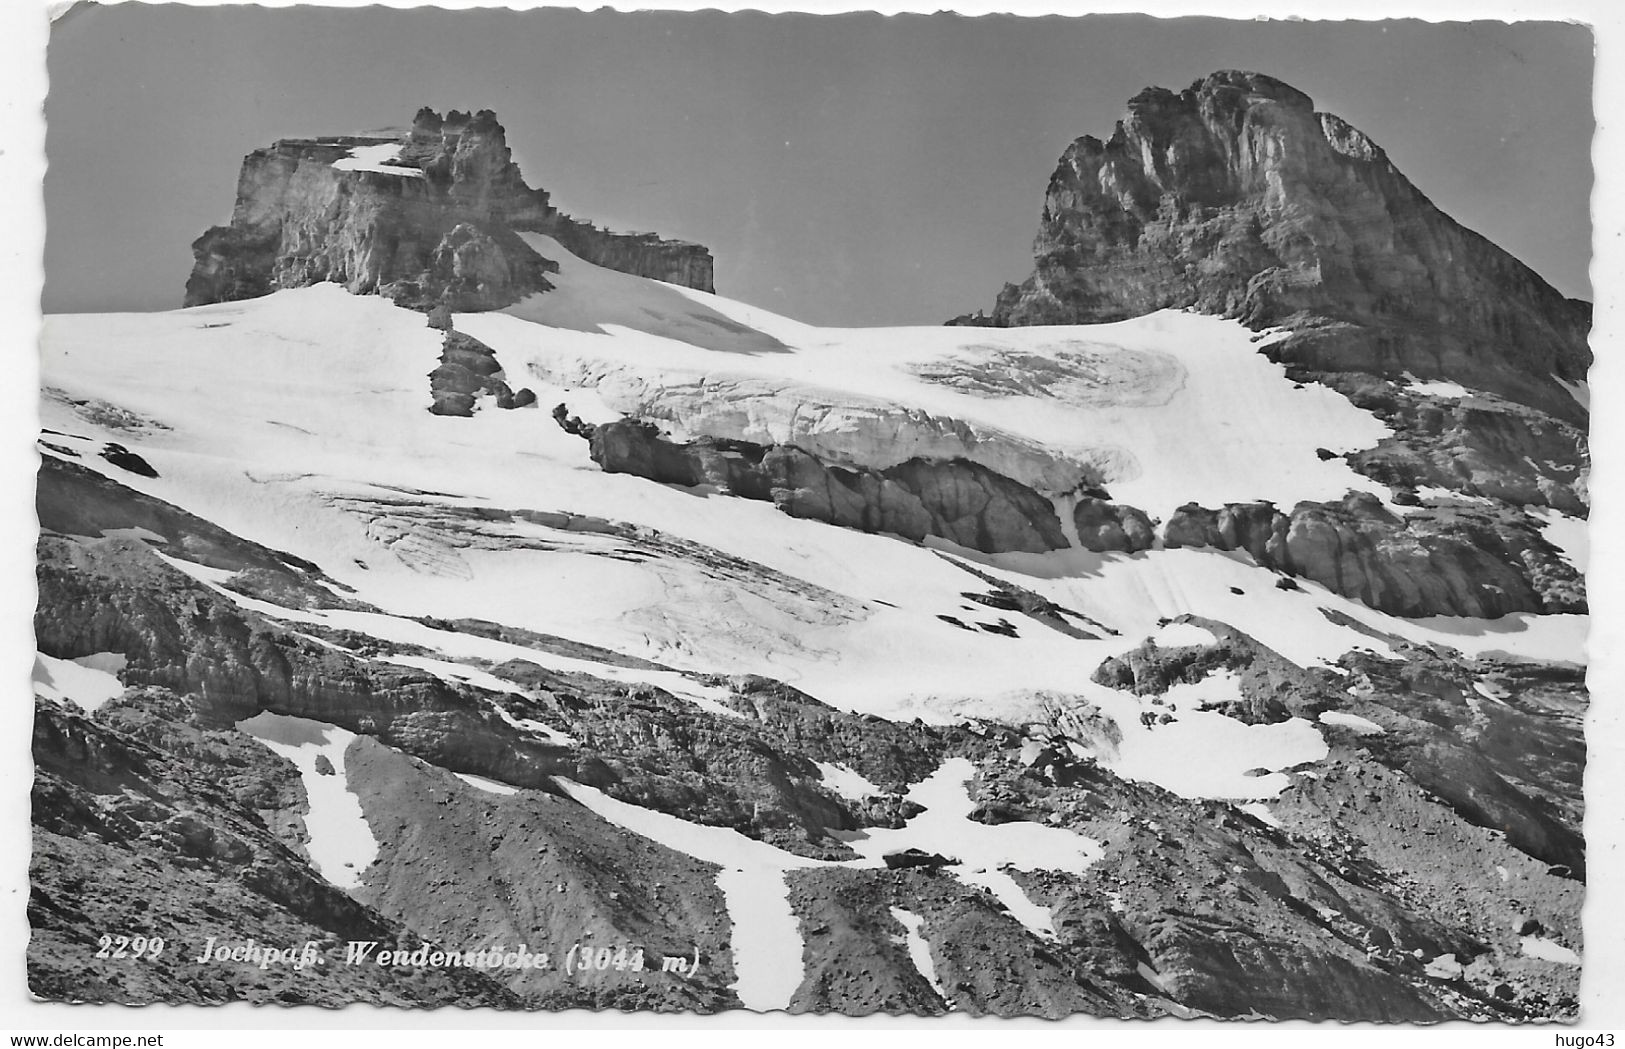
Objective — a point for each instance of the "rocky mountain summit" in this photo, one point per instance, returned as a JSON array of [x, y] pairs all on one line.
[[430, 217], [1235, 197]]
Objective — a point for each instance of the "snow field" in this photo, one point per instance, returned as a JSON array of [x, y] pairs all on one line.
[[328, 431], [1227, 426]]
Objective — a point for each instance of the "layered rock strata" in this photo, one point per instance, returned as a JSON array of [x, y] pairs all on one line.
[[429, 217]]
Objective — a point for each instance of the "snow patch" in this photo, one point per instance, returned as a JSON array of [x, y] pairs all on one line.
[[1571, 535], [1580, 391], [1181, 635], [766, 936], [846, 783], [1360, 726], [1204, 754], [1436, 387], [1549, 950], [1261, 812], [490, 786], [1444, 967], [766, 940], [88, 682], [374, 158], [553, 735], [342, 845], [919, 951], [1219, 688], [984, 852]]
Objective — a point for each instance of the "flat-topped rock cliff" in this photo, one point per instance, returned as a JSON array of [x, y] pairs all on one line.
[[429, 217]]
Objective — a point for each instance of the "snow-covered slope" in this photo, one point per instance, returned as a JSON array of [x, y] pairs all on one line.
[[299, 421], [1161, 410]]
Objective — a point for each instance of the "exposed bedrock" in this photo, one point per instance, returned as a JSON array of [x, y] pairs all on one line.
[[469, 369], [1459, 561], [957, 500], [1516, 769], [438, 223], [1478, 446], [1272, 688], [1236, 198], [1105, 527], [115, 594], [1430, 716], [1480, 561]]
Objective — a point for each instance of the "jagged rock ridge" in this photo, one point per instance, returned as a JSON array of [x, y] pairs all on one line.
[[430, 217], [1236, 197]]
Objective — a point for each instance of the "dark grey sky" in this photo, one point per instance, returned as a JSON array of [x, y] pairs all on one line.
[[847, 169]]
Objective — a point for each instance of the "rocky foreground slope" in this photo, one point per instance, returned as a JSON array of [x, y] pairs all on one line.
[[549, 636]]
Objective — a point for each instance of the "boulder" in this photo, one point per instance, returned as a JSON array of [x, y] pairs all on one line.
[[1105, 527]]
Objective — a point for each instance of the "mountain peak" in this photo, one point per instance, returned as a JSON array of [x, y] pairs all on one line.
[[1236, 197], [429, 216]]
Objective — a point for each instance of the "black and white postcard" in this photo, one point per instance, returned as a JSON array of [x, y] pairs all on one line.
[[683, 512]]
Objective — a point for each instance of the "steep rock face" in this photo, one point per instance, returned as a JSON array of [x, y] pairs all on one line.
[[428, 218], [1235, 197], [1438, 732], [957, 500], [752, 770], [1459, 561], [1480, 446]]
